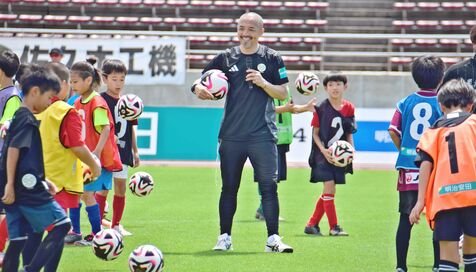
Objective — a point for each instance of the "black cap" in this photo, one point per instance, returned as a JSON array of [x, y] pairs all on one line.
[[56, 51]]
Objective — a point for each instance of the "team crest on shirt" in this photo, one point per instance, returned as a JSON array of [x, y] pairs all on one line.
[[261, 67], [28, 181]]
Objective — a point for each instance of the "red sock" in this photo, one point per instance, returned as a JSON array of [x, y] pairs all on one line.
[[101, 200], [330, 209], [3, 234], [318, 213], [118, 205]]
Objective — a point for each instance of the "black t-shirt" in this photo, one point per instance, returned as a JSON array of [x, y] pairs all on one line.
[[30, 188], [465, 70], [122, 129], [249, 111]]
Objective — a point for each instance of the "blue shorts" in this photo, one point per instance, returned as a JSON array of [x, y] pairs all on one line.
[[22, 219], [103, 182], [450, 224]]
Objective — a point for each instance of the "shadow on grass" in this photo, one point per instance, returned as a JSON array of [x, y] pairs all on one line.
[[421, 266]]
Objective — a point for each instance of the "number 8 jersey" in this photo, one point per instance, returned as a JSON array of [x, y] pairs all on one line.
[[418, 112]]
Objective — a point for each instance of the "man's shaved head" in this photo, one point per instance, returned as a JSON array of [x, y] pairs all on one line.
[[252, 17]]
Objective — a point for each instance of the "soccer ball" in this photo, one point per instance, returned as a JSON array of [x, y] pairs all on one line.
[[307, 83], [342, 152], [216, 83], [130, 107], [146, 258], [107, 244], [141, 184]]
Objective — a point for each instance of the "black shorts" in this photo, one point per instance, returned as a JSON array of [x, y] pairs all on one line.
[[282, 164], [325, 172], [450, 224], [408, 199]]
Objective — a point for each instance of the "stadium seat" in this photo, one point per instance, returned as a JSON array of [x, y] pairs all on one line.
[[247, 4], [219, 39], [470, 22], [221, 21], [58, 2], [450, 61], [209, 57], [449, 42], [316, 23], [154, 3], [451, 6], [127, 20], [268, 40], [196, 58], [225, 4], [8, 17], [403, 23], [404, 5], [6, 34], [177, 3], [201, 3], [427, 6], [290, 40], [82, 2], [426, 42], [30, 18], [197, 39], [151, 20], [312, 41], [401, 60], [292, 22], [174, 21], [34, 1], [471, 5], [317, 5], [271, 22], [198, 21], [26, 35], [106, 2], [271, 4], [79, 19], [402, 42], [76, 36], [103, 19], [427, 23], [452, 23], [291, 59], [130, 2], [295, 5], [311, 59], [54, 18]]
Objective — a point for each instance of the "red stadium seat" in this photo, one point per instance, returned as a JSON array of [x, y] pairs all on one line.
[[450, 61], [312, 41], [470, 22], [54, 18], [471, 5], [271, 22], [197, 39], [316, 23], [271, 4], [196, 58], [402, 42], [450, 42], [58, 2], [426, 42], [219, 39], [311, 59], [221, 21], [317, 5], [174, 21], [177, 3], [82, 2], [427, 23], [151, 20], [154, 3], [130, 2], [103, 19], [403, 23], [291, 59], [209, 57], [127, 20], [404, 5], [452, 23], [79, 19], [295, 5], [428, 5], [452, 5], [8, 17], [290, 40], [225, 4], [76, 36], [248, 4], [201, 3], [292, 22], [34, 1], [401, 60], [106, 2], [198, 21], [268, 40], [30, 18]]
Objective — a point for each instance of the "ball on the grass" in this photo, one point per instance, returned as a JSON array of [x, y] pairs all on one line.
[[146, 258], [141, 184], [107, 244]]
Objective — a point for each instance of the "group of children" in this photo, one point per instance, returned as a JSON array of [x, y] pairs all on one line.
[[434, 131], [46, 145]]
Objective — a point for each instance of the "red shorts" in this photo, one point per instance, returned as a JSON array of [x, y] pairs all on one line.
[[67, 200]]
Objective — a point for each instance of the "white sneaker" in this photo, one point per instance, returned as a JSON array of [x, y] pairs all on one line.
[[123, 232], [275, 244], [224, 243]]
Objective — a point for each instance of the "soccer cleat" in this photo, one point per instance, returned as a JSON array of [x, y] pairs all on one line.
[[313, 230], [123, 232], [400, 270], [87, 241], [337, 231], [224, 243], [276, 245], [72, 238]]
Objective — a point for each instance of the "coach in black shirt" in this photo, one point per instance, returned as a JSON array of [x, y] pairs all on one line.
[[256, 75]]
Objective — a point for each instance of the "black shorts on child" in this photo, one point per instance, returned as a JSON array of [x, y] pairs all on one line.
[[450, 224], [325, 171], [408, 199]]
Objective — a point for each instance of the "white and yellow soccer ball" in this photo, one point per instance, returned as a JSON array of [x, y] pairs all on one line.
[[130, 107], [307, 83], [107, 244], [146, 258], [342, 153], [216, 83], [141, 184]]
